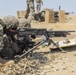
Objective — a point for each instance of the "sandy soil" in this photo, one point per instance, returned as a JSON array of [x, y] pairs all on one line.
[[44, 61]]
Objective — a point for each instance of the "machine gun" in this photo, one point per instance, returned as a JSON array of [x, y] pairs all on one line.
[[22, 32], [24, 44]]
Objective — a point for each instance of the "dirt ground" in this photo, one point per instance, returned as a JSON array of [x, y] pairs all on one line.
[[44, 60]]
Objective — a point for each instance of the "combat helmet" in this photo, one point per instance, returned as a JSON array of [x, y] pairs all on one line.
[[10, 22], [24, 22]]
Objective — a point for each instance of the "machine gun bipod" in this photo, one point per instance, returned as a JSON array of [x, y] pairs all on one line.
[[17, 58]]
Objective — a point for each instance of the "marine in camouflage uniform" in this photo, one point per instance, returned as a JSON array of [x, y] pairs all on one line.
[[30, 9], [38, 7], [10, 25], [13, 46]]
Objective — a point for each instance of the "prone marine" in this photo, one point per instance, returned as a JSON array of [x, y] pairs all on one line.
[[12, 45]]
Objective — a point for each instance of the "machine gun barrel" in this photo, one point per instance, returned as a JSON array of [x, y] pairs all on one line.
[[22, 32], [59, 33]]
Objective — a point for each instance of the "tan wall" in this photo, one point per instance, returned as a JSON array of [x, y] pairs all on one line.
[[49, 16], [62, 17], [21, 14]]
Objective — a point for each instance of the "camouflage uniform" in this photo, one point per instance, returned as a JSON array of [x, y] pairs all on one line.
[[1, 22], [38, 7], [30, 8], [1, 25], [24, 23], [10, 24]]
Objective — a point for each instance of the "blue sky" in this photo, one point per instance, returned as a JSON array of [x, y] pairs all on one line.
[[9, 7]]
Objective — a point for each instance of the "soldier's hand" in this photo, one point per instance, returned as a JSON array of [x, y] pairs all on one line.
[[4, 35], [33, 36]]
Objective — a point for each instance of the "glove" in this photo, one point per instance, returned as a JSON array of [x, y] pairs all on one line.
[[33, 36], [4, 35]]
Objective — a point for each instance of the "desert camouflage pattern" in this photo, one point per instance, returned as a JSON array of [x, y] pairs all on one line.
[[24, 22], [1, 22], [30, 8], [38, 6], [38, 1], [10, 22]]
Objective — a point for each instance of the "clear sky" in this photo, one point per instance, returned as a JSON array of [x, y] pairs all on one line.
[[9, 7]]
